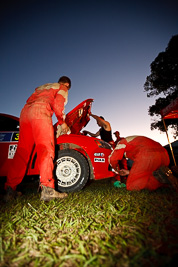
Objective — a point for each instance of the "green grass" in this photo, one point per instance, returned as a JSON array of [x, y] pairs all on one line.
[[98, 226]]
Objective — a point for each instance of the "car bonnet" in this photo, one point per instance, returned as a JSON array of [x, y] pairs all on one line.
[[78, 118]]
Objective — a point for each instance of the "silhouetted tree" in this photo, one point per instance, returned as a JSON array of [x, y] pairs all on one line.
[[163, 80]]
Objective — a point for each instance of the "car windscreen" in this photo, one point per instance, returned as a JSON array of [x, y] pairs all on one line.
[[8, 123]]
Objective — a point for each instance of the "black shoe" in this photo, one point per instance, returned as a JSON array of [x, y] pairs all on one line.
[[164, 175], [10, 194]]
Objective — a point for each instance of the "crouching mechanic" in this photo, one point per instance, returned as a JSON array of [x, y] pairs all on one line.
[[150, 161], [36, 127]]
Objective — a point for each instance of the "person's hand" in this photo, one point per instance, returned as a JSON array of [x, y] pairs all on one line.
[[62, 129], [115, 169], [124, 172], [85, 132]]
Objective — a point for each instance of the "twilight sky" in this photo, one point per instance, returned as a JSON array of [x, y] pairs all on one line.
[[104, 46]]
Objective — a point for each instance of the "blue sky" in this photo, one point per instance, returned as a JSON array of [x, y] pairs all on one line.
[[104, 46]]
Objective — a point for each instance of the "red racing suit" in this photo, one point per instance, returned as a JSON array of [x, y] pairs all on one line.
[[122, 163], [147, 156], [36, 127]]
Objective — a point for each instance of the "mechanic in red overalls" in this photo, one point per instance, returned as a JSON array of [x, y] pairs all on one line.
[[147, 156], [118, 138], [123, 162], [36, 127]]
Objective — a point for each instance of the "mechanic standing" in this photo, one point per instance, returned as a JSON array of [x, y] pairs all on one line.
[[36, 127], [150, 161], [104, 132], [118, 138], [123, 162]]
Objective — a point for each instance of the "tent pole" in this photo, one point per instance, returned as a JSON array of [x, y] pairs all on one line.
[[169, 142]]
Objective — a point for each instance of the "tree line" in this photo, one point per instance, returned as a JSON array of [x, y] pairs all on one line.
[[163, 82]]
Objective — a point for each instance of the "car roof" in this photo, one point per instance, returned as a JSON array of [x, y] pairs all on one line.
[[76, 119]]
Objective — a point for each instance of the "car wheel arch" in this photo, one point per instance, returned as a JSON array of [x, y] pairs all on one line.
[[72, 146]]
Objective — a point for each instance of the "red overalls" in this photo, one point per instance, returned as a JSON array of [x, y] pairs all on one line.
[[147, 155], [122, 163], [36, 127]]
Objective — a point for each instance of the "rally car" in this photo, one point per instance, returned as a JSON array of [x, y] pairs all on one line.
[[78, 158]]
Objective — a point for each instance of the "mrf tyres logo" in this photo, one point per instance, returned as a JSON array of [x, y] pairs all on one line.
[[99, 157]]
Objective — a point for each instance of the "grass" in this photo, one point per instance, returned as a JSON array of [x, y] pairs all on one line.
[[98, 226]]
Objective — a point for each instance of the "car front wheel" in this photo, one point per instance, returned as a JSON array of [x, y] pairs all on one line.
[[72, 171]]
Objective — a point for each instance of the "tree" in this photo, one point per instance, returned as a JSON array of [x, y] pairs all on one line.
[[163, 80]]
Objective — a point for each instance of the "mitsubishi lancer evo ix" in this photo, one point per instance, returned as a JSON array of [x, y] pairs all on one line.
[[78, 158]]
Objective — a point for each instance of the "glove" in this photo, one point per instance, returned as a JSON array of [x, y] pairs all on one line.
[[60, 131], [118, 184]]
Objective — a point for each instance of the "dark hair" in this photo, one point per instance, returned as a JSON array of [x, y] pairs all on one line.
[[102, 118], [65, 79]]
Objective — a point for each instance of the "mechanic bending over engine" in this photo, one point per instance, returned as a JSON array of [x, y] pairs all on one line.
[[104, 132], [150, 161], [36, 127]]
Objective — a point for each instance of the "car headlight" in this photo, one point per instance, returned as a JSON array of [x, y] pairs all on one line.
[[103, 144]]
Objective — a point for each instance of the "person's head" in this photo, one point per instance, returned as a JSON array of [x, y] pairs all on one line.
[[117, 134], [99, 122], [65, 81], [102, 118]]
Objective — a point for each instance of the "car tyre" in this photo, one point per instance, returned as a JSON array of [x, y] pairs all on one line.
[[71, 170]]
